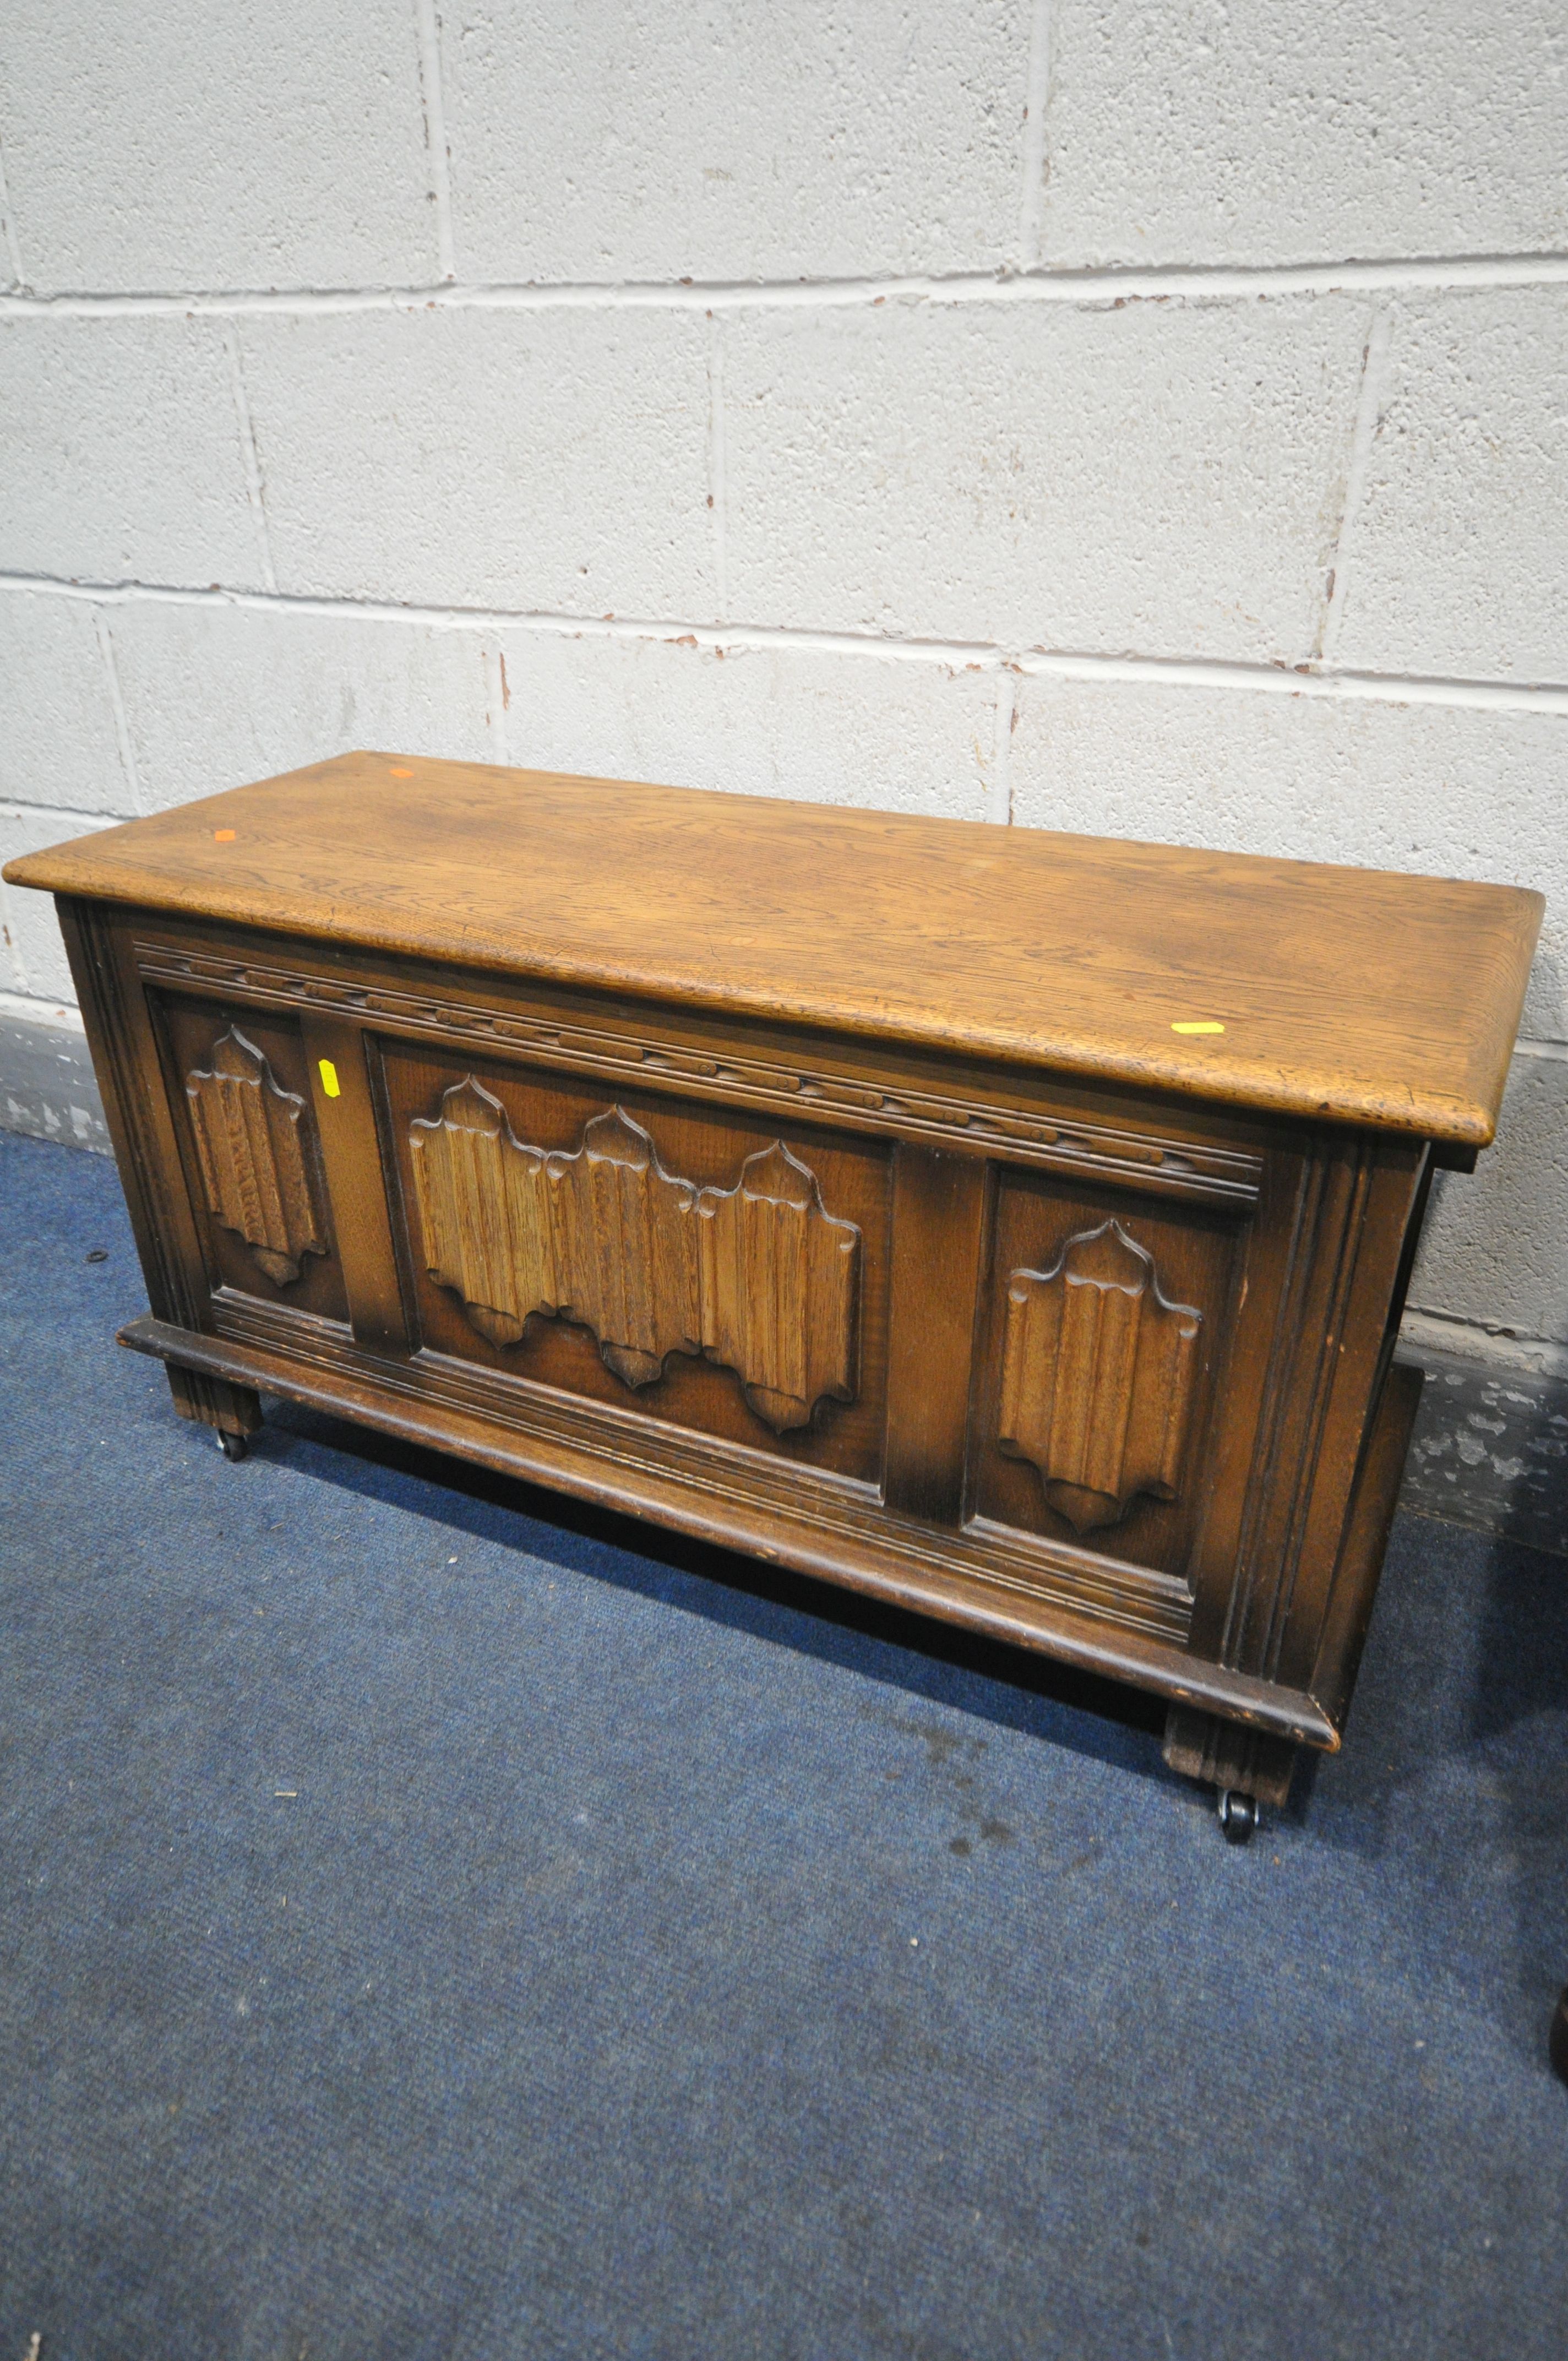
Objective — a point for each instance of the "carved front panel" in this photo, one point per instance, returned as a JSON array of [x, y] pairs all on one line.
[[778, 1287], [482, 1208], [239, 1085], [628, 1247], [246, 1129], [1098, 1376], [758, 1278], [1103, 1329]]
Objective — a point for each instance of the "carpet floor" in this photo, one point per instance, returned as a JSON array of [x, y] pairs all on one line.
[[440, 1921]]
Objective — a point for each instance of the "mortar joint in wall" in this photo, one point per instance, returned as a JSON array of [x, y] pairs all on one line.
[[117, 707], [8, 220], [1312, 678], [427, 26], [1117, 284]]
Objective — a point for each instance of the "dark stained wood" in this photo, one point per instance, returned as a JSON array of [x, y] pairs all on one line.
[[828, 1186], [1340, 990], [1318, 1395], [291, 1201], [1229, 1754], [1342, 1628], [346, 1127], [1203, 1746], [938, 1214], [138, 1112]]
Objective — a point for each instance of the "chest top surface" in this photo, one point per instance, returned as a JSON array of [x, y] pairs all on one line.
[[1346, 994]]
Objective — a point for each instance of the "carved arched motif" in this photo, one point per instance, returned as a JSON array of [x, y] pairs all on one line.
[[1098, 1377], [778, 1287], [759, 1278], [246, 1129]]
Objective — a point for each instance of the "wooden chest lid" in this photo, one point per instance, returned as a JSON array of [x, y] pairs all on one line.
[[1347, 994]]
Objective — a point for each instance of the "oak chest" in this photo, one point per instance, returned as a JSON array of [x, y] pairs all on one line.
[[1012, 1225]]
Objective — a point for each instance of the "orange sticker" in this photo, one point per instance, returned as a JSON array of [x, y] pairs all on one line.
[[222, 835], [400, 774], [1198, 1025]]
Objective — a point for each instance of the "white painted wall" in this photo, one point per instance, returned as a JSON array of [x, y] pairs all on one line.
[[1149, 419]]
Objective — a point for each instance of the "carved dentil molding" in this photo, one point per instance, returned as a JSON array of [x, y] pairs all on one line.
[[1201, 1170]]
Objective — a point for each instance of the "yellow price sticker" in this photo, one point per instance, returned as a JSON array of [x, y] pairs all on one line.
[[329, 1077], [1198, 1025]]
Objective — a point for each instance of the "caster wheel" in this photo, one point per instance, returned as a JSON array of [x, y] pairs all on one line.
[[233, 1446], [1238, 1814]]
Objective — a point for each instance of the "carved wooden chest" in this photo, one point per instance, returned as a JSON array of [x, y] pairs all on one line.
[[1012, 1225]]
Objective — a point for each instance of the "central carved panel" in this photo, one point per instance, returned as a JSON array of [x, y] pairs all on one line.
[[759, 1278], [1098, 1377]]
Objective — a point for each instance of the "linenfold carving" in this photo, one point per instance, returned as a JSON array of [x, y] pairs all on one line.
[[759, 1278], [1098, 1376], [778, 1287], [623, 1232], [246, 1129], [484, 1213]]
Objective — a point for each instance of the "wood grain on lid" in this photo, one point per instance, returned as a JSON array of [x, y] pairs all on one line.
[[1353, 995]]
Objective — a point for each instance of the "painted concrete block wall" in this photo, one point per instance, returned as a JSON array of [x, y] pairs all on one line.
[[1054, 412]]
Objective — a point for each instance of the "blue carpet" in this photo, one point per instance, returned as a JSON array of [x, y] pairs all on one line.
[[441, 1922]]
